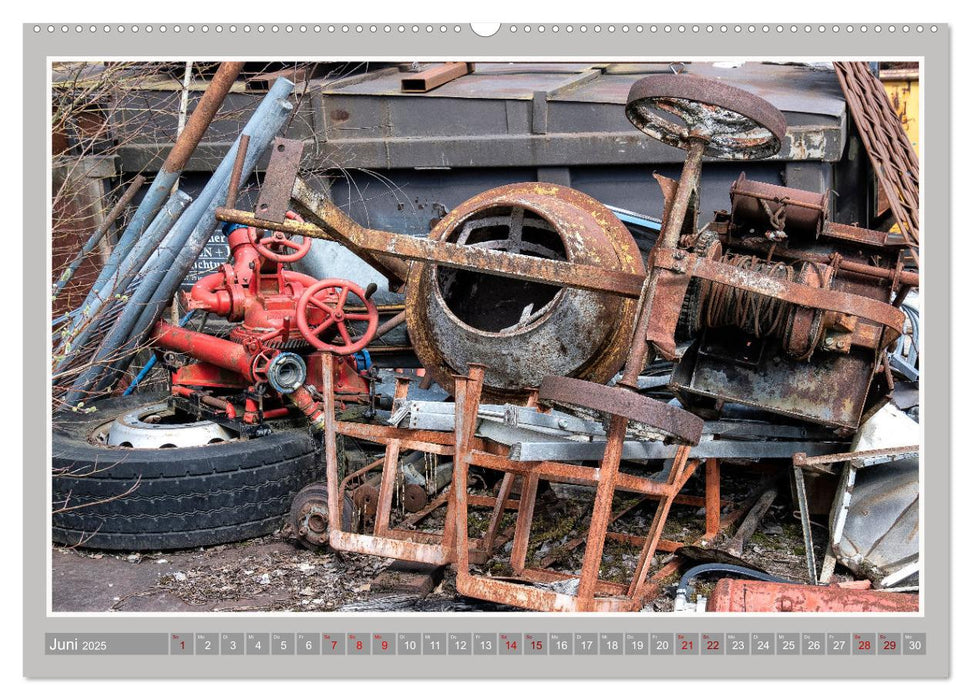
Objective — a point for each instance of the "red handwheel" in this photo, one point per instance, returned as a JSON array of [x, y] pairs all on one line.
[[271, 247], [322, 308]]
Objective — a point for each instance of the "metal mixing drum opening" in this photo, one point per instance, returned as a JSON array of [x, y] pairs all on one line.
[[497, 304]]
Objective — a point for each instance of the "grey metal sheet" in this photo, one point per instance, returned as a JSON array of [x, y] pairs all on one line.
[[636, 450], [489, 81], [790, 88]]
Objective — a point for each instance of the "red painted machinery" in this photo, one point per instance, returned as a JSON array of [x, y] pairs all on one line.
[[285, 321]]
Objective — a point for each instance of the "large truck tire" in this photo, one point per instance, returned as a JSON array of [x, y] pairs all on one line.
[[124, 498]]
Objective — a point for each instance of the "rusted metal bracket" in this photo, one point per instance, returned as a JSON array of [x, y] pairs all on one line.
[[274, 200]]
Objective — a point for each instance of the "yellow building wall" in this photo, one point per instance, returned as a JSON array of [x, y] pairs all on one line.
[[903, 88]]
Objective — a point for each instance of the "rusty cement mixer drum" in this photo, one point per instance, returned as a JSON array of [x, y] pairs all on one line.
[[524, 331]]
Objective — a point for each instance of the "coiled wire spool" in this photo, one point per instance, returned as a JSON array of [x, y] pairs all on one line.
[[714, 305]]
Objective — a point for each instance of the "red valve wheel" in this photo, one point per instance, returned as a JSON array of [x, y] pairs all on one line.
[[270, 245], [322, 307]]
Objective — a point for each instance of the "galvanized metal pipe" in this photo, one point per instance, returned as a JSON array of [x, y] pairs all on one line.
[[82, 325], [168, 175], [190, 234]]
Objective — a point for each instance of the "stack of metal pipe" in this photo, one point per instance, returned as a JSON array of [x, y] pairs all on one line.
[[98, 340]]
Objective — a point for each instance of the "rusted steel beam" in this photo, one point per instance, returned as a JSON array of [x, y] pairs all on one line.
[[382, 518], [390, 548], [505, 489], [319, 210], [680, 472], [524, 522], [296, 74], [713, 500], [490, 502], [891, 453], [533, 598], [677, 422], [600, 518], [436, 76], [495, 262], [334, 505], [421, 440], [561, 472]]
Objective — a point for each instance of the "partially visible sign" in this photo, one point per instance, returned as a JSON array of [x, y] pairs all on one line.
[[215, 253]]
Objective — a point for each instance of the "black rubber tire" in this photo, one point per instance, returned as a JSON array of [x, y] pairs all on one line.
[[182, 497]]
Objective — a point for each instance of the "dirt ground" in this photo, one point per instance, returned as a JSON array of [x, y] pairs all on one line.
[[275, 573]]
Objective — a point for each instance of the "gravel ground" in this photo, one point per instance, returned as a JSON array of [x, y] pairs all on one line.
[[274, 573]]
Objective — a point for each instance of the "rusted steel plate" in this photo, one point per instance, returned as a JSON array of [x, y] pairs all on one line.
[[760, 596], [735, 123], [281, 173], [830, 390], [856, 234], [676, 422], [536, 598], [390, 548]]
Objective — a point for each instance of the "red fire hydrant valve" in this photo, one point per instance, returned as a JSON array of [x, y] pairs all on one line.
[[325, 310]]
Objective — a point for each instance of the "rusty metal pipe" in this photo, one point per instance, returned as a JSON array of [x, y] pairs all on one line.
[[208, 400], [233, 192], [202, 116], [673, 222], [390, 324]]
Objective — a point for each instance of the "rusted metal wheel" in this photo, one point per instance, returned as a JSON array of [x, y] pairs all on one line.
[[524, 331], [735, 124], [309, 515]]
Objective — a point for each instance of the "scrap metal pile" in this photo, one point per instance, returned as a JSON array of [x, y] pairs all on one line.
[[566, 357]]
